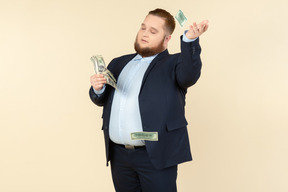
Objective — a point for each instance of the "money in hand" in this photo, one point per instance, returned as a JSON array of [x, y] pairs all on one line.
[[100, 68], [181, 18]]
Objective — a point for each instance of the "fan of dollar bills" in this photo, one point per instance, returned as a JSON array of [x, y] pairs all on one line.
[[100, 68]]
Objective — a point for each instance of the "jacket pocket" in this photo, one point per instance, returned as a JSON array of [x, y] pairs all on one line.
[[176, 124]]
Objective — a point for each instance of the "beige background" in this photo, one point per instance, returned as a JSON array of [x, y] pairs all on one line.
[[50, 132]]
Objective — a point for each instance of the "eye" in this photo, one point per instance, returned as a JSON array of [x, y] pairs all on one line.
[[143, 27]]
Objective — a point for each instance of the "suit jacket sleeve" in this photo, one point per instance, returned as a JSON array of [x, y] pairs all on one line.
[[98, 100], [188, 68]]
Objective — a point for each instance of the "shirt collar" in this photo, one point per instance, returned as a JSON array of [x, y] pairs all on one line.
[[148, 59]]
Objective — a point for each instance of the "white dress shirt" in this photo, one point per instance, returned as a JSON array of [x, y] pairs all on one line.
[[125, 114]]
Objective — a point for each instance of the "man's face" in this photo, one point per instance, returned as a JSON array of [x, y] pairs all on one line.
[[151, 38]]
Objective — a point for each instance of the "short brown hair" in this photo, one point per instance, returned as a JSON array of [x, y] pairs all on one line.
[[169, 19]]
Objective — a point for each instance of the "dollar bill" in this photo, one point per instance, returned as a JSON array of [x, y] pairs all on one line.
[[181, 18], [149, 136], [99, 64], [106, 71], [100, 68], [110, 82]]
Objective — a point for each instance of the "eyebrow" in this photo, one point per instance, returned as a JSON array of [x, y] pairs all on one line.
[[153, 28]]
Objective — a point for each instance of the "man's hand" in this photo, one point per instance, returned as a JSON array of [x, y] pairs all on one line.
[[97, 81], [196, 30]]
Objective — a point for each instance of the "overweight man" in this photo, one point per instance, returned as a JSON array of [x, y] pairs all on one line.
[[144, 122]]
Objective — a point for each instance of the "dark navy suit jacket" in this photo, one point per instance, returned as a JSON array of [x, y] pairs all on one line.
[[161, 102]]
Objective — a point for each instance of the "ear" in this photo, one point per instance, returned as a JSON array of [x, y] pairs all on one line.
[[167, 39]]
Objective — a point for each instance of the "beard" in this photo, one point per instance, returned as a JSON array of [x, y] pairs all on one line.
[[149, 51]]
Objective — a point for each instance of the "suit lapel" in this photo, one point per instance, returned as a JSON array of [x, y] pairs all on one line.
[[152, 64], [120, 66], [117, 70]]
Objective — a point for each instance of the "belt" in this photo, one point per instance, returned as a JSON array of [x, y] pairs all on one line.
[[130, 146]]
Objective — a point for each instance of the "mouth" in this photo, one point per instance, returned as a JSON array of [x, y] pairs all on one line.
[[144, 41]]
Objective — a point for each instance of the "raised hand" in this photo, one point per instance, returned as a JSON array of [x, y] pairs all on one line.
[[196, 30]]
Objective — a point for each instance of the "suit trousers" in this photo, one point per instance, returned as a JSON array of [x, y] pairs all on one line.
[[132, 171]]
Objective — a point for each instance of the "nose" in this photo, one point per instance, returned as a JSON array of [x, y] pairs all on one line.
[[145, 33]]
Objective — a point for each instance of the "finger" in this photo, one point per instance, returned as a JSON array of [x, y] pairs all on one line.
[[99, 75], [93, 76], [206, 27], [101, 78], [100, 81], [94, 80], [195, 27], [204, 22], [200, 28], [98, 87], [191, 29]]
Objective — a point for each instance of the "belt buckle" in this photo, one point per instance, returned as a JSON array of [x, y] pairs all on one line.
[[129, 147]]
